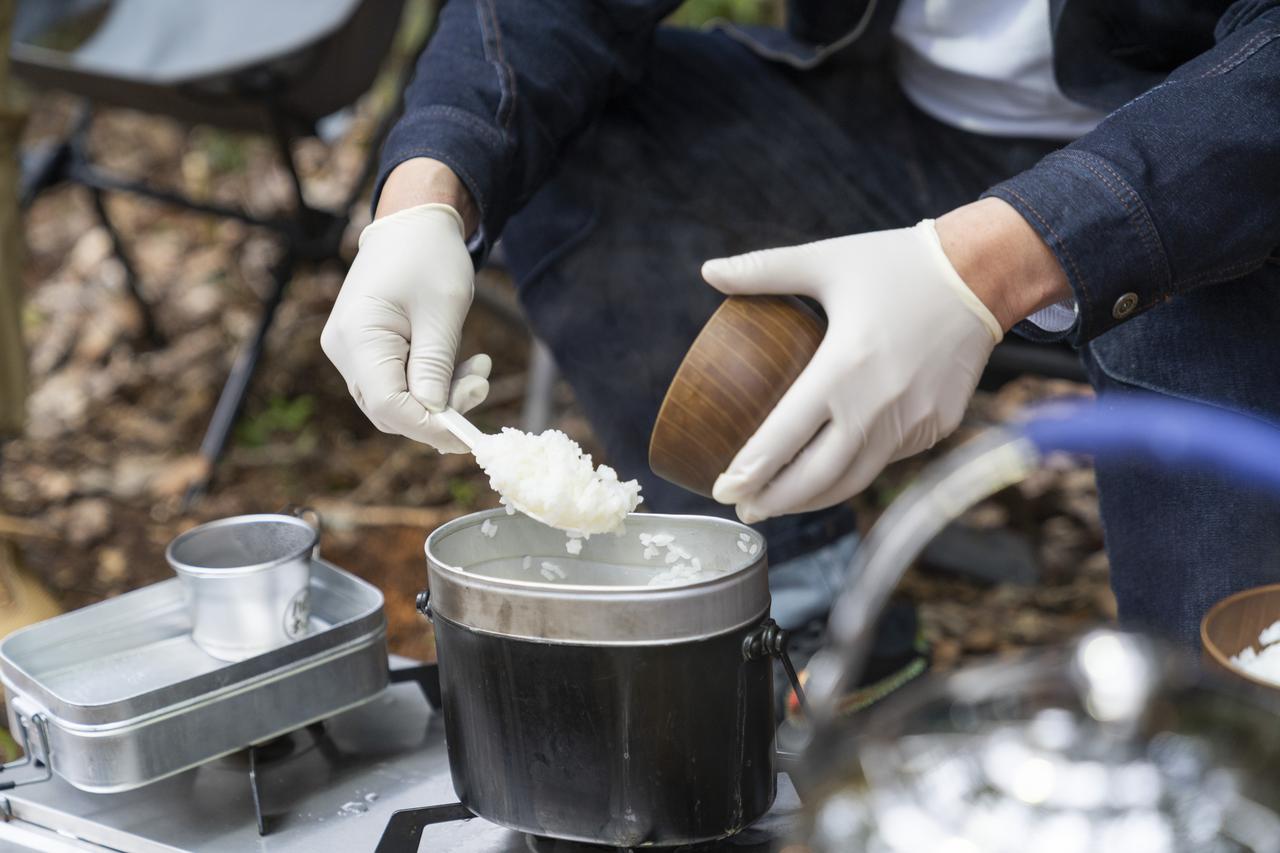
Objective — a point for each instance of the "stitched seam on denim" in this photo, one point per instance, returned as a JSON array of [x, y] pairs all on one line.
[[1246, 50], [469, 120], [1217, 70], [1138, 212], [1117, 375], [1065, 251], [492, 31], [1222, 273]]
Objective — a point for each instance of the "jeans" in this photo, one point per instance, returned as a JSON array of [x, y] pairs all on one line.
[[715, 152]]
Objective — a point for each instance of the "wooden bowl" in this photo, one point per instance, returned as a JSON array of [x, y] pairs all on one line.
[[1235, 623], [740, 365]]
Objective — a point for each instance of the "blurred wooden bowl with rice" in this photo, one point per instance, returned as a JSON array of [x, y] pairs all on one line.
[[1235, 624], [742, 362]]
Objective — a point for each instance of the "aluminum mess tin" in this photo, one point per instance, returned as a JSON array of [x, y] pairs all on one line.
[[128, 698]]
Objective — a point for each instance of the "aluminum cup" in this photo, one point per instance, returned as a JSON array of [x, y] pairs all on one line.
[[247, 582]]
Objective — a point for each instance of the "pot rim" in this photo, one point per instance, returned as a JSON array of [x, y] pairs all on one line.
[[481, 516], [182, 568], [594, 614]]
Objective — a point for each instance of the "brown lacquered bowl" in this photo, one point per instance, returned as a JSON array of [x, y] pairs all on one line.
[[1234, 623], [740, 365]]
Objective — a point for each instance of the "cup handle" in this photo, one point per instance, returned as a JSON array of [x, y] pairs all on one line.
[[310, 516]]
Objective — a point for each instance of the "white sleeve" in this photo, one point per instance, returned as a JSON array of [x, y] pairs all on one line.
[[1058, 317]]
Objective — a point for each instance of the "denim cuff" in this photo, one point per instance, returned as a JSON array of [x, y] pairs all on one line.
[[472, 148], [1099, 229]]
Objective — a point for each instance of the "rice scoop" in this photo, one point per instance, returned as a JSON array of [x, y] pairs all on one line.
[[549, 477]]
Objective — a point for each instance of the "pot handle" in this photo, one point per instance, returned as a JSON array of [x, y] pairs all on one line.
[[30, 756], [768, 640]]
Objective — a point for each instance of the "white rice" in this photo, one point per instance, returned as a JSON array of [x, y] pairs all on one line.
[[549, 476], [1264, 664], [526, 563], [683, 573], [573, 545], [548, 566], [488, 528], [650, 552]]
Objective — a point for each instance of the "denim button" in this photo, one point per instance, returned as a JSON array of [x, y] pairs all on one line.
[[1125, 306]]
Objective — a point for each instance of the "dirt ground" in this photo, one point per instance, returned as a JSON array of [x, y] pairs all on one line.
[[92, 492]]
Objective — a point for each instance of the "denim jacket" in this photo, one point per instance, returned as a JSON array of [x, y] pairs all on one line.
[[1178, 187]]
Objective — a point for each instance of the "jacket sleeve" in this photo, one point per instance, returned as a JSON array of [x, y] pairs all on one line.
[[1176, 189], [505, 83]]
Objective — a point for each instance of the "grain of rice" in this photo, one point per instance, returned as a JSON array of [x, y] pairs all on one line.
[[488, 528], [573, 545]]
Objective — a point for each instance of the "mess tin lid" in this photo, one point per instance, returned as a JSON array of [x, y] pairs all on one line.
[[511, 576]]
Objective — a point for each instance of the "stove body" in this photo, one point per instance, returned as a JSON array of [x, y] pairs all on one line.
[[331, 789]]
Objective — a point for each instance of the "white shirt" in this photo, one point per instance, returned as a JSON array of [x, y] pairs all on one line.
[[986, 66]]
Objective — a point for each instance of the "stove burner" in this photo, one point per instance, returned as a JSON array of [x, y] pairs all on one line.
[[404, 835], [273, 750], [542, 844]]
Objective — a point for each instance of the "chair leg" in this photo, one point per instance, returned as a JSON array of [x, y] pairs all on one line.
[[536, 414], [237, 385], [131, 283]]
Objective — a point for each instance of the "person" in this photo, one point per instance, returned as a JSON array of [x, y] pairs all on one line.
[[934, 173]]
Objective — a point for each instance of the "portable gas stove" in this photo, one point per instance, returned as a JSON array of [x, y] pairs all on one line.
[[375, 778]]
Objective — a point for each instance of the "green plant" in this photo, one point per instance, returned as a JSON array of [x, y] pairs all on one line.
[[281, 415], [695, 13], [9, 749], [462, 492], [225, 151]]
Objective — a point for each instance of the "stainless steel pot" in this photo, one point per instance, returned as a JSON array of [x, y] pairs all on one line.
[[247, 582], [585, 704]]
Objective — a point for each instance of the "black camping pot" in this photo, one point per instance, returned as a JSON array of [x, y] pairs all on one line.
[[583, 703]]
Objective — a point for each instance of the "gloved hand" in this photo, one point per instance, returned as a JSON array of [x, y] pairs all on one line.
[[394, 330], [905, 345]]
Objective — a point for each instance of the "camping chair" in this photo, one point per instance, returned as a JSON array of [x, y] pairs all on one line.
[[280, 68]]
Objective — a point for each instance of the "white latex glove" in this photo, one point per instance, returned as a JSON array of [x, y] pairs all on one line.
[[394, 330], [905, 345]]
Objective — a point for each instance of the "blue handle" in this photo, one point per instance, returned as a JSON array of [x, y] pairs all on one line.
[[1173, 434]]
